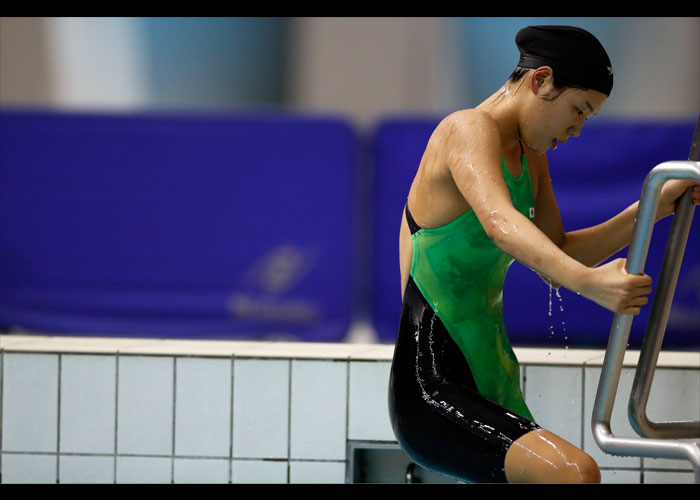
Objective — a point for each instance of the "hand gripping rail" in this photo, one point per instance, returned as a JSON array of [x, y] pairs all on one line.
[[652, 443]]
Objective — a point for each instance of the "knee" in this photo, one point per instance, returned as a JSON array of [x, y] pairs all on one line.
[[575, 466], [540, 456], [584, 470]]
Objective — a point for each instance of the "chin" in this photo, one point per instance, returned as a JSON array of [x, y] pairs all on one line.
[[537, 149]]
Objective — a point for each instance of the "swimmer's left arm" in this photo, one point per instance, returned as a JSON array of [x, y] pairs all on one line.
[[593, 245]]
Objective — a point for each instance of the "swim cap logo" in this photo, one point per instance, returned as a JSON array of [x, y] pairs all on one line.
[[610, 72]]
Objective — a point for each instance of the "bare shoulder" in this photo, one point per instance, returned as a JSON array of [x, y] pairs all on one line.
[[469, 133], [469, 122], [469, 130]]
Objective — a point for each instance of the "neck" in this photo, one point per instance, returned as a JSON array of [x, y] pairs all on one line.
[[504, 107]]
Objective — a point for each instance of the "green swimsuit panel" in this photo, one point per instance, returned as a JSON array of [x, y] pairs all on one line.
[[461, 273]]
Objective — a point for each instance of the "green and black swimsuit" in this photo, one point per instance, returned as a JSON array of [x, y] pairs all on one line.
[[454, 397]]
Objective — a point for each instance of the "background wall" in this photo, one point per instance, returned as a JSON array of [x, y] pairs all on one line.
[[72, 410], [363, 68]]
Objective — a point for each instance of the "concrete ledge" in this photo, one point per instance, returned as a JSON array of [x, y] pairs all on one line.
[[301, 350]]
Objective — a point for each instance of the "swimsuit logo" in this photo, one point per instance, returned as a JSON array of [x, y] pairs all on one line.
[[532, 212]]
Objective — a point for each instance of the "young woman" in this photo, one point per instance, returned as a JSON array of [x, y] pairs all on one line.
[[482, 197]]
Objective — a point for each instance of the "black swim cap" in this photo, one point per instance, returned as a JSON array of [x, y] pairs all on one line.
[[576, 56]]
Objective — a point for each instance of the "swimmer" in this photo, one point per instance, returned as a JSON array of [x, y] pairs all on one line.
[[481, 198]]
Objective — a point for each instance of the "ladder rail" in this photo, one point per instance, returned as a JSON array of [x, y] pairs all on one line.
[[654, 334], [619, 333]]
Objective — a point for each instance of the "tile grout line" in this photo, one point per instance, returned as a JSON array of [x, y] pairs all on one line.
[[2, 398], [348, 460], [58, 416], [116, 415], [174, 421], [583, 404], [231, 406], [289, 420]]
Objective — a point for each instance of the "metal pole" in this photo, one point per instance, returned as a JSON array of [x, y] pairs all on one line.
[[619, 332], [655, 330], [658, 317]]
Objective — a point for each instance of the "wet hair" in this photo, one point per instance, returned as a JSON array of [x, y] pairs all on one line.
[[577, 58]]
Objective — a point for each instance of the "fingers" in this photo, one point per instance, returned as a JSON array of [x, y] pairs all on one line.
[[695, 195], [631, 291], [636, 293], [640, 282], [634, 305], [694, 189], [671, 194], [634, 280]]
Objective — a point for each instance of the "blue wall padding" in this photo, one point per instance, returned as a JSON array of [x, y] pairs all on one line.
[[242, 226], [595, 176], [177, 226]]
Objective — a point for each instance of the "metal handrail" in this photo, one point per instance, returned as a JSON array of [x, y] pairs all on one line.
[[654, 334], [619, 334]]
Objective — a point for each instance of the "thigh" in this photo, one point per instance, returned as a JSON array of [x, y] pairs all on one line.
[[439, 418], [457, 432]]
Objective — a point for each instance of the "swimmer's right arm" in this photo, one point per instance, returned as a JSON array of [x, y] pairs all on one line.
[[474, 162]]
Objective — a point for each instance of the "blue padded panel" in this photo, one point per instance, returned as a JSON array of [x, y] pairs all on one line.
[[220, 226], [595, 176]]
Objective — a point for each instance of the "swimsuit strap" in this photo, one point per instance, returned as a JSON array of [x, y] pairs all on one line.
[[411, 222]]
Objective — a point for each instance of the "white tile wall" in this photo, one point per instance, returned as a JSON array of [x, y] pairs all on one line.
[[88, 402], [145, 405], [85, 469], [203, 407], [34, 469], [367, 399], [201, 470], [620, 476], [666, 477], [317, 472], [555, 398], [145, 411], [30, 403], [260, 472], [318, 410], [151, 470], [261, 409]]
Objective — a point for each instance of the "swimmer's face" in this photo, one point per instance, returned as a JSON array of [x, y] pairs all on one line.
[[554, 115]]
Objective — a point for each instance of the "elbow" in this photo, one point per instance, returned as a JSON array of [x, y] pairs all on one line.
[[499, 230], [559, 240], [500, 239], [493, 233]]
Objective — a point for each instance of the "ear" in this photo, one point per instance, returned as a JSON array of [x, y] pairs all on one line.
[[542, 81]]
